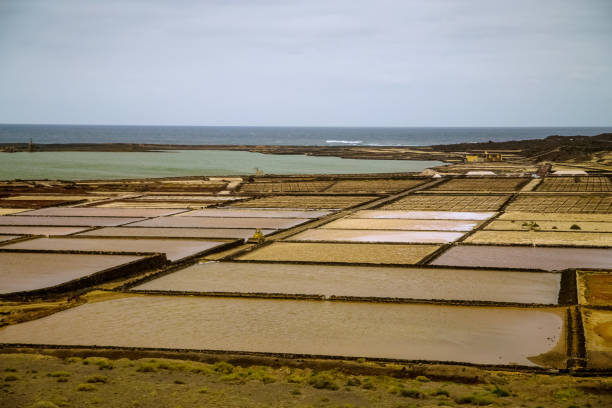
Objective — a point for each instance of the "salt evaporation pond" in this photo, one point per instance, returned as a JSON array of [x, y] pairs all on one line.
[[66, 221], [238, 233], [376, 236], [360, 329], [423, 215], [31, 271], [34, 230], [4, 238], [401, 224], [363, 281], [598, 338], [101, 212], [232, 213], [175, 249], [341, 252], [217, 222], [491, 256]]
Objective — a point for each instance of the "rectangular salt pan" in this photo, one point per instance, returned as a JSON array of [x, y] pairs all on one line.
[[402, 224], [4, 238], [363, 281], [103, 212], [214, 212], [376, 236], [232, 233], [175, 249], [30, 230], [30, 271], [423, 215], [66, 221], [214, 222], [525, 257], [529, 337]]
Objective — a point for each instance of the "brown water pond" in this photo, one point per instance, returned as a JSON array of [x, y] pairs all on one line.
[[341, 252], [363, 281], [29, 230], [30, 271], [401, 331], [402, 224], [219, 212], [175, 249], [4, 238], [102, 212], [424, 215], [66, 221], [174, 232], [216, 222], [376, 236], [598, 338], [525, 257]]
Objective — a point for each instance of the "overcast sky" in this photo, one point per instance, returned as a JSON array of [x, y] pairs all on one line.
[[308, 63]]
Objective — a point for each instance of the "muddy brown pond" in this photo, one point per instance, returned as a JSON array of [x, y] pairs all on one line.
[[363, 281], [30, 271], [360, 329]]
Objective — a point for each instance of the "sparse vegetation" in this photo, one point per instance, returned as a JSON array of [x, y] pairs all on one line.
[[323, 380], [86, 387]]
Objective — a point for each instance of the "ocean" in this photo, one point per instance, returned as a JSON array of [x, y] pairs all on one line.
[[299, 136]]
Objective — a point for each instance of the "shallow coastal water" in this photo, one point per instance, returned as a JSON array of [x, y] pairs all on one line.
[[402, 331], [109, 165], [363, 281]]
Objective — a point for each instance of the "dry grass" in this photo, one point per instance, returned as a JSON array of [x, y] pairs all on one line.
[[481, 184], [435, 202], [541, 238], [576, 184], [357, 253], [562, 204]]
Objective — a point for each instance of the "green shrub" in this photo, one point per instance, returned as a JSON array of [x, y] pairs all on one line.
[[422, 378], [353, 382], [179, 382], [59, 374], [223, 367], [62, 379], [10, 377], [441, 391], [86, 387], [500, 392], [97, 379], [473, 399], [411, 393], [10, 370], [103, 363], [368, 385], [147, 367], [568, 393], [323, 381]]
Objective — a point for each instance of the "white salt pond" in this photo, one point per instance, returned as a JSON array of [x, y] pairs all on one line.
[[363, 281], [66, 221], [401, 224], [423, 215], [218, 222], [31, 271], [175, 249], [102, 212], [232, 233], [272, 213], [547, 258], [350, 235], [4, 238], [359, 329]]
